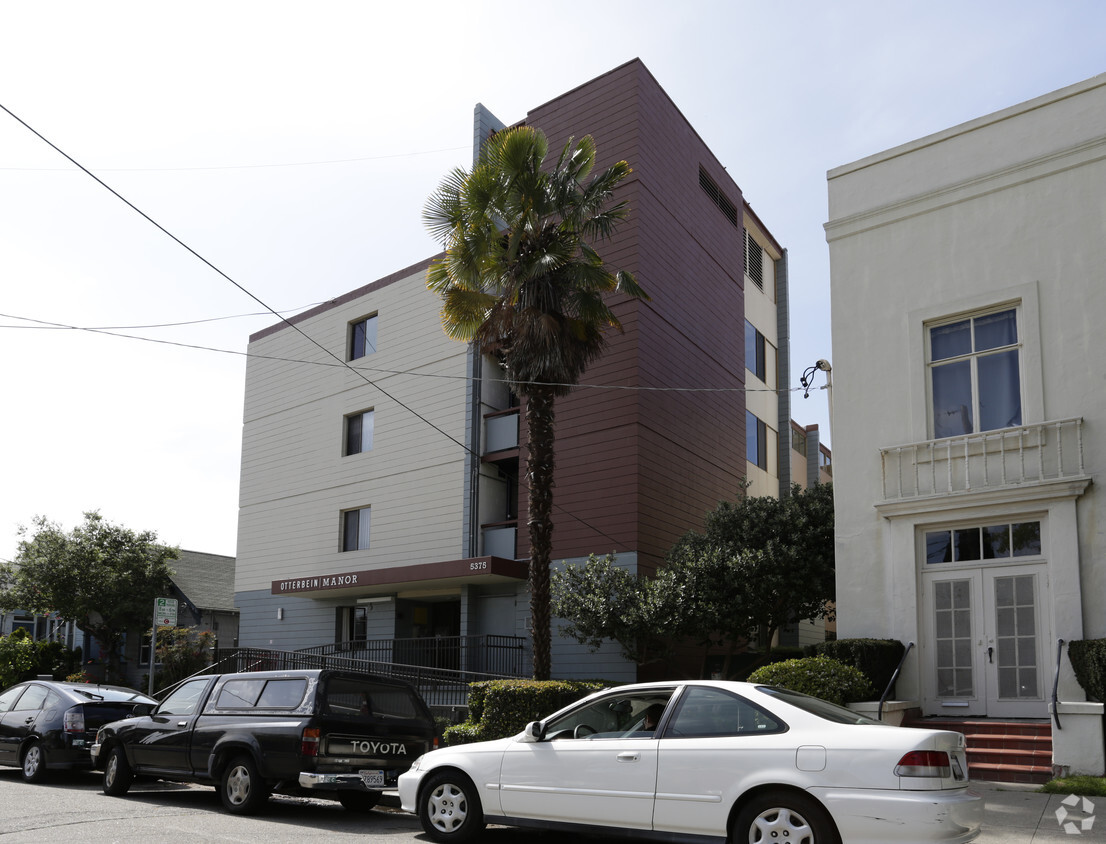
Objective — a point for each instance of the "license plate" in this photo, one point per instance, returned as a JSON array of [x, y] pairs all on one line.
[[372, 779]]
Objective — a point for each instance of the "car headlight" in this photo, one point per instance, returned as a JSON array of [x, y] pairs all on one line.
[[418, 761]]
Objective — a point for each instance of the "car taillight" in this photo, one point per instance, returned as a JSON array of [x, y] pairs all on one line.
[[73, 720], [309, 742], [924, 763]]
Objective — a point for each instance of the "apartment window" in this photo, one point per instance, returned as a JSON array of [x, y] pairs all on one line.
[[755, 353], [355, 529], [756, 441], [359, 432], [984, 542], [975, 374], [362, 337], [798, 441]]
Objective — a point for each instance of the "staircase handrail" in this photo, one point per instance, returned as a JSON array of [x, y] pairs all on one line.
[[891, 682]]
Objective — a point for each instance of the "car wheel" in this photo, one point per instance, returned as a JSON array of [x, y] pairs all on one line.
[[778, 816], [358, 801], [241, 788], [449, 809], [34, 763], [118, 775]]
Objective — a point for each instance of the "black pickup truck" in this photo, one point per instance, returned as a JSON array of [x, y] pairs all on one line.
[[340, 735]]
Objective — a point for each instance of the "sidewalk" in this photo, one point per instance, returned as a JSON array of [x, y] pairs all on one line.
[[1017, 814]]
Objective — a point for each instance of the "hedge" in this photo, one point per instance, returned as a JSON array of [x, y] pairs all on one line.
[[819, 676], [1088, 659], [501, 708], [876, 658]]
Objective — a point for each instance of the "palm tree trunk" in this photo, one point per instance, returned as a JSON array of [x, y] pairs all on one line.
[[539, 475]]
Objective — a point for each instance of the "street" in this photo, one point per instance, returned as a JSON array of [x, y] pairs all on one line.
[[70, 806]]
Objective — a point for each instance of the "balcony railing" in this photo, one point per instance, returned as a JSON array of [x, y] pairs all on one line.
[[500, 541], [501, 430], [1029, 454]]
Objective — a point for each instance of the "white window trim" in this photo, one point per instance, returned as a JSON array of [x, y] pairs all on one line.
[[1025, 299]]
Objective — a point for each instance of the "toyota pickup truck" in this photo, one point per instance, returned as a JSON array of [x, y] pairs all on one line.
[[339, 735]]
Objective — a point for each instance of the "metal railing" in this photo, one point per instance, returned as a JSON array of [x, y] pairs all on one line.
[[891, 682], [483, 654], [989, 460], [438, 686]]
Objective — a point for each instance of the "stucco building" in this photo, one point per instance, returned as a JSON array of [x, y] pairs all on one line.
[[967, 292], [380, 495]]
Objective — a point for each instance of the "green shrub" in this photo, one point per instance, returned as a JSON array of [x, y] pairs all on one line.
[[819, 676], [501, 708], [876, 658], [22, 658], [1088, 660]]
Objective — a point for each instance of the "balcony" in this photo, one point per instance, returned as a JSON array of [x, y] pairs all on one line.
[[1023, 456], [500, 541], [501, 430]]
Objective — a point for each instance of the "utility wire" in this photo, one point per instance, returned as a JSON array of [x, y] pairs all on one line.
[[291, 324]]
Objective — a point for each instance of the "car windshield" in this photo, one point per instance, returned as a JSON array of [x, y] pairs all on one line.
[[110, 693], [816, 706]]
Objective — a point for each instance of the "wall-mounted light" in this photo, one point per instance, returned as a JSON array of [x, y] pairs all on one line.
[[376, 599], [280, 613]]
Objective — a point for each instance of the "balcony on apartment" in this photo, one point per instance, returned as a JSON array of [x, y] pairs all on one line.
[[499, 484], [1026, 455]]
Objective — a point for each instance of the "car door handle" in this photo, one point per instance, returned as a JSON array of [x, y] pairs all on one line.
[[30, 720], [182, 723], [628, 756]]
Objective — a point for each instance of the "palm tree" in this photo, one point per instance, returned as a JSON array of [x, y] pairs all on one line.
[[521, 280]]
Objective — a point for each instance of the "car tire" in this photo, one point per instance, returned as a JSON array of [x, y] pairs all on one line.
[[34, 763], [359, 801], [783, 816], [449, 809], [118, 774], [241, 788]]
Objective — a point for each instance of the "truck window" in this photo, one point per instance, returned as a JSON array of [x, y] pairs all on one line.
[[239, 694], [282, 694], [184, 700], [346, 696]]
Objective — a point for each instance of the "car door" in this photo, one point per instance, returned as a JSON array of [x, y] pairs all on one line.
[[160, 741], [19, 721], [596, 765], [9, 743]]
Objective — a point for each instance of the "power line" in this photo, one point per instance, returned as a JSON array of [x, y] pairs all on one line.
[[115, 332], [288, 322]]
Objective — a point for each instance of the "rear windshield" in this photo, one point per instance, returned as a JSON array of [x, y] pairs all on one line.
[[817, 706], [347, 696], [114, 694], [262, 693]]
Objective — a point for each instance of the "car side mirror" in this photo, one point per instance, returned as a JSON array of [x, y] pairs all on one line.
[[535, 731], [141, 709]]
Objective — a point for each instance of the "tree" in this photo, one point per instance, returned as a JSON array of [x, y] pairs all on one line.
[[181, 652], [521, 280], [760, 563], [601, 600], [102, 576]]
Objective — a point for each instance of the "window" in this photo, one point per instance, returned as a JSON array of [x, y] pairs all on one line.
[[975, 374], [756, 441], [713, 713], [184, 700], [755, 352], [362, 338], [634, 715], [33, 698], [355, 529], [985, 542], [359, 432]]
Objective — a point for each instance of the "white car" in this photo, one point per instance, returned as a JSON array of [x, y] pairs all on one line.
[[726, 761]]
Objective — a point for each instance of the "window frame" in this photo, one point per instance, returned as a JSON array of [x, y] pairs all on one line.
[[352, 346], [918, 322], [348, 435], [357, 530], [761, 438]]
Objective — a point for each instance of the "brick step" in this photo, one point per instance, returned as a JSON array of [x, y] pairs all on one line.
[[1002, 751]]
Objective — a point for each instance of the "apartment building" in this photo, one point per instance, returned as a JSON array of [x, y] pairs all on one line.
[[380, 494], [967, 293]]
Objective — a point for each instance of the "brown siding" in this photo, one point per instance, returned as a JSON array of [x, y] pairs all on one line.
[[636, 469]]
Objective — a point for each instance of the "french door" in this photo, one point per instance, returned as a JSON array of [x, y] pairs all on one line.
[[986, 641]]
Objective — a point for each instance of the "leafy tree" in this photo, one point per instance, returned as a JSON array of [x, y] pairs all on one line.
[[102, 576], [181, 652], [22, 658], [601, 600], [760, 563], [521, 280]]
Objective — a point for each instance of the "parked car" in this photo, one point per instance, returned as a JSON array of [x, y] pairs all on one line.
[[726, 761], [46, 724], [341, 735]]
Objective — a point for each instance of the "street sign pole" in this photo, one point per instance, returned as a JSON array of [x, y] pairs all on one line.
[[165, 613], [153, 647]]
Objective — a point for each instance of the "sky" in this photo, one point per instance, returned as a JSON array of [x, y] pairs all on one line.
[[293, 146]]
